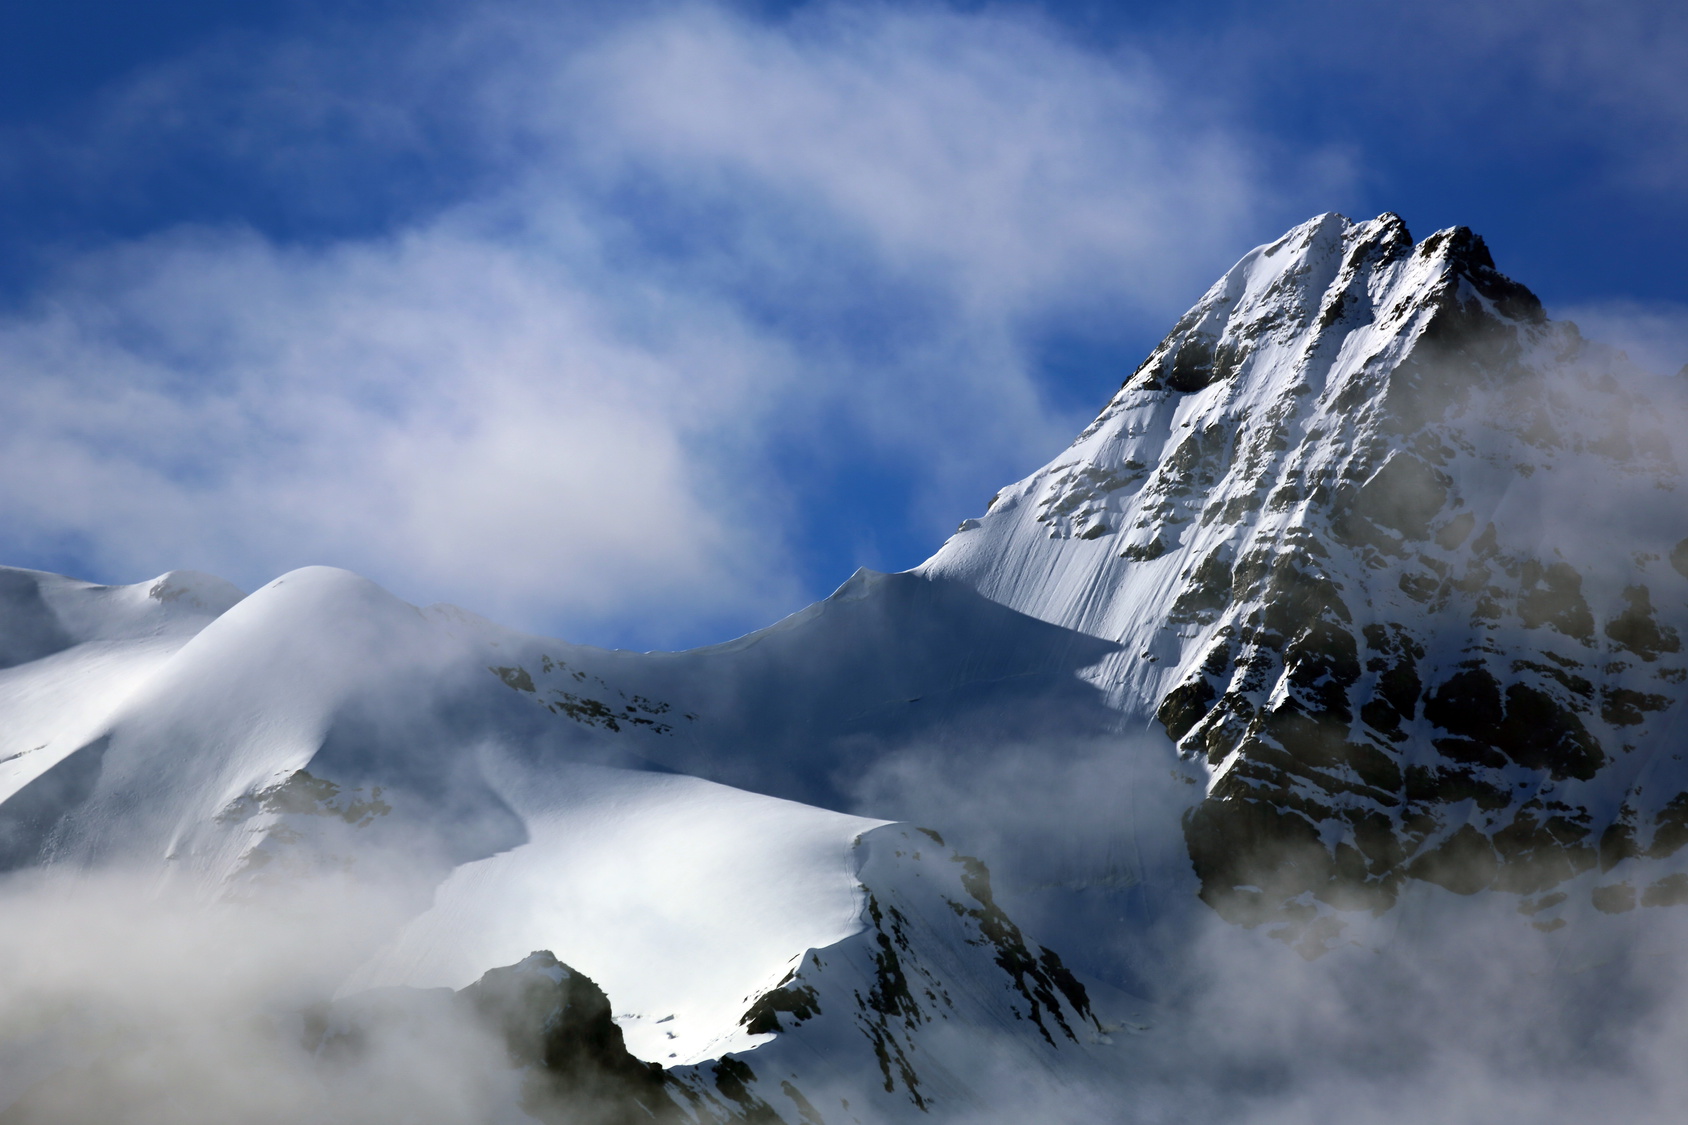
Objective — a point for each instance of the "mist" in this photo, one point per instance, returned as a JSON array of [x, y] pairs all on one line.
[[1446, 1008], [125, 997], [698, 276], [530, 399], [120, 1000]]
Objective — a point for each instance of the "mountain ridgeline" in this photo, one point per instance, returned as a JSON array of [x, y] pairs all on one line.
[[1368, 588], [1398, 561]]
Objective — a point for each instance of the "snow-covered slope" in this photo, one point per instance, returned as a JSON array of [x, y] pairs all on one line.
[[71, 654], [502, 788], [320, 721], [941, 1008], [683, 899], [1367, 587]]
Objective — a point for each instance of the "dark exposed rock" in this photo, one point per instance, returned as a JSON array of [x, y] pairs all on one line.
[[1638, 631], [1398, 682], [1617, 843], [1144, 552], [1184, 706], [303, 794], [1679, 558], [1540, 734], [1670, 829], [891, 1003], [1323, 718], [1320, 663], [1451, 784], [1623, 707], [1464, 863], [1468, 703], [1672, 890], [1040, 978], [1206, 591], [1552, 596], [1538, 855], [1252, 856], [797, 1002], [1404, 496], [557, 1023], [1192, 366], [1530, 728], [1320, 741], [734, 1081], [1575, 684], [1470, 257]]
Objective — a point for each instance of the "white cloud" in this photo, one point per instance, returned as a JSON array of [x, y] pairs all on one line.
[[1617, 70], [1572, 93], [125, 1001], [433, 410], [987, 154], [686, 244], [1653, 333]]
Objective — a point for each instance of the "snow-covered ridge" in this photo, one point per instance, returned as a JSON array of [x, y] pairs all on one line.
[[501, 789], [72, 653], [1367, 586], [322, 721]]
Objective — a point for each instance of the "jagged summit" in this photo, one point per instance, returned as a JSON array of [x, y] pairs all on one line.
[[1337, 328], [1368, 584], [1317, 283]]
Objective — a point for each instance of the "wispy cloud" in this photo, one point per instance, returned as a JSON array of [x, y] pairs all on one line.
[[1653, 333], [647, 260], [430, 408], [1572, 82]]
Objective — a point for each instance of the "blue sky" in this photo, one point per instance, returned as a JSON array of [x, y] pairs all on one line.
[[644, 324]]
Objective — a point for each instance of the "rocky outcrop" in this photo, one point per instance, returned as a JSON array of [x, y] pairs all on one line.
[[557, 1026]]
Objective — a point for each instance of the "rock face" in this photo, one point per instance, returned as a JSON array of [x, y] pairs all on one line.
[[1395, 559], [552, 1023], [557, 1025]]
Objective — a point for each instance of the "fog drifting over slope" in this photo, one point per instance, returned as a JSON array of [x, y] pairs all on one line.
[[1448, 1009], [469, 402], [175, 1011]]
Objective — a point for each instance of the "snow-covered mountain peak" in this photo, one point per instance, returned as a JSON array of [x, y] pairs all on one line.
[[1314, 286], [1341, 358], [1359, 481], [1368, 586]]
